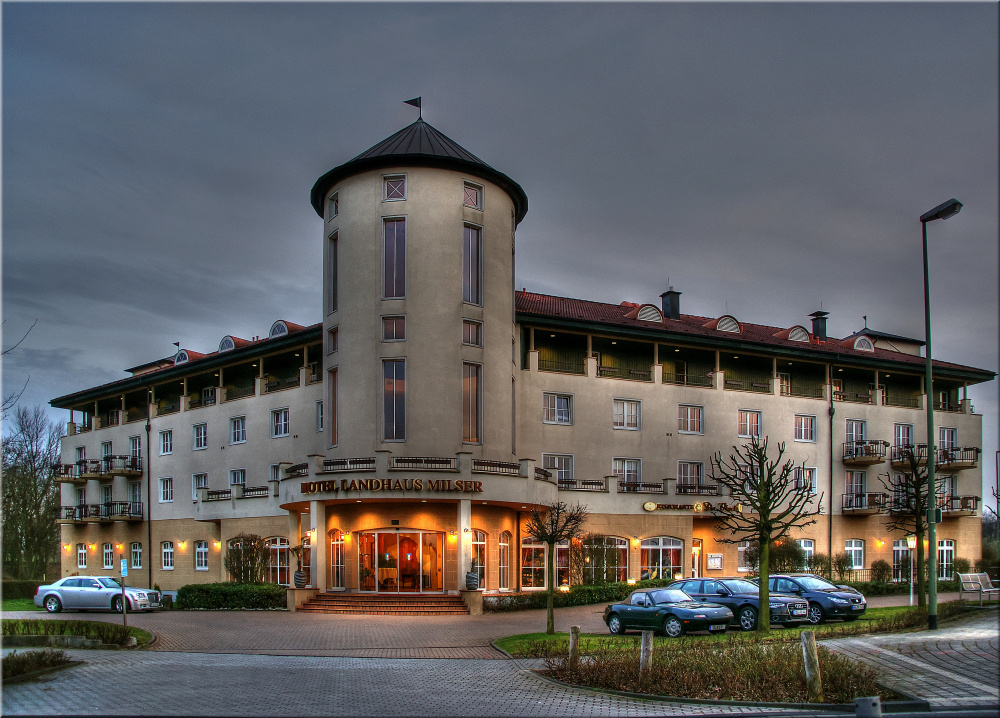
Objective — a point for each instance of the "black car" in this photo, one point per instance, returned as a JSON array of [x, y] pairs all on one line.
[[741, 597], [825, 599], [674, 613]]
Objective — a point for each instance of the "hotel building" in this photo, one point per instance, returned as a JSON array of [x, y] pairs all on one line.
[[408, 433]]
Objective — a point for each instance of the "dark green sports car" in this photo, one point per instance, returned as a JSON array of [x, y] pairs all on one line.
[[670, 611]]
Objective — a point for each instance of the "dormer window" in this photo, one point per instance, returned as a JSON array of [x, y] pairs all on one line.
[[395, 188], [181, 357], [227, 344], [472, 196], [278, 329], [864, 344], [798, 334], [649, 313], [728, 324]]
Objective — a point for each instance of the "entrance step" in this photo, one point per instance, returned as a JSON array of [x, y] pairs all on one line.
[[388, 604]]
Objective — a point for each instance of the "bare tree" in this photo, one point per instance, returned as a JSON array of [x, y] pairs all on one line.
[[30, 493], [770, 500], [908, 503], [10, 400], [551, 524]]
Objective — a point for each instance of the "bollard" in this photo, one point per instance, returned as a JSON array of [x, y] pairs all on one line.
[[574, 647], [814, 681], [868, 707], [645, 652]]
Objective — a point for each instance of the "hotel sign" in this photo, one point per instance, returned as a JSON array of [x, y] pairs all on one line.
[[698, 507], [392, 486]]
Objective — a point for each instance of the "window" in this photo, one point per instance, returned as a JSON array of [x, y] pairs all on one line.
[[277, 564], [749, 423], [135, 492], [628, 471], [532, 564], [808, 548], [561, 465], [166, 442], [105, 449], [626, 414], [201, 555], [319, 416], [856, 482], [200, 436], [838, 386], [805, 427], [106, 493], [394, 259], [332, 340], [690, 419], [472, 196], [948, 439], [332, 269], [198, 481], [804, 476], [279, 422], [854, 431], [237, 476], [855, 549], [784, 383], [167, 555], [238, 430], [741, 556], [472, 333], [660, 557], [166, 490], [333, 406], [394, 188], [479, 554], [471, 402], [81, 555], [902, 435], [135, 446], [394, 399], [690, 475], [274, 472], [471, 264], [605, 559], [338, 560], [864, 344], [136, 550], [81, 453], [557, 408], [900, 560], [109, 556], [333, 205], [504, 567], [393, 329], [81, 496], [728, 324]]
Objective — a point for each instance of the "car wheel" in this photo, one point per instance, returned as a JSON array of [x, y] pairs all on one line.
[[53, 604], [816, 614], [615, 624], [116, 604], [748, 618], [673, 627]]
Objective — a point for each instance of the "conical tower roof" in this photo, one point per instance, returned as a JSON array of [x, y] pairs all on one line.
[[419, 145]]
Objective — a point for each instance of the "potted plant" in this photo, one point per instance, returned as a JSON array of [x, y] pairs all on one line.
[[300, 577], [472, 577]]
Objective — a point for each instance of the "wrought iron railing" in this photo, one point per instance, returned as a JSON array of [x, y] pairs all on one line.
[[900, 453], [867, 501], [110, 418], [121, 464], [362, 464], [954, 407], [199, 401], [168, 408], [279, 384], [639, 487], [748, 381], [254, 492], [687, 379], [865, 449], [135, 414], [804, 392], [507, 468], [910, 402], [958, 503], [697, 489], [239, 392], [583, 484], [632, 373], [968, 455], [66, 471], [425, 463], [296, 471], [124, 509], [218, 494], [562, 367]]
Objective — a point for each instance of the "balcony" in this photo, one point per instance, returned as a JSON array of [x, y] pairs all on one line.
[[92, 469], [583, 485], [504, 468], [71, 514], [239, 392], [197, 402], [686, 379], [130, 466], [171, 406], [901, 400], [862, 504], [761, 384], [640, 487], [802, 391], [423, 463], [288, 382], [949, 405], [562, 366], [96, 513], [854, 397], [864, 452], [297, 471], [901, 454], [958, 505], [624, 372], [256, 492], [68, 473], [696, 489], [110, 418], [335, 465], [218, 494], [953, 459], [124, 510]]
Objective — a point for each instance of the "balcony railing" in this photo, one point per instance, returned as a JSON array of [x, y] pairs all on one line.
[[865, 451], [910, 402], [855, 397], [639, 487], [687, 379], [135, 414], [697, 489], [254, 492], [741, 382], [958, 504], [424, 463], [562, 367], [542, 474], [583, 484], [281, 384], [239, 392], [90, 468], [899, 455], [171, 407], [111, 418], [506, 468], [620, 372], [122, 465], [362, 464], [124, 509], [867, 503], [953, 459], [296, 471], [218, 494], [67, 472], [954, 407], [200, 401], [72, 513]]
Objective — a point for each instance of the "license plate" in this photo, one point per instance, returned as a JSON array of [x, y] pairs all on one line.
[[856, 607], [718, 627], [799, 612]]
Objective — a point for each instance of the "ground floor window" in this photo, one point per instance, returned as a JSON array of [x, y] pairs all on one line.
[[504, 568], [855, 549], [109, 556], [900, 560], [136, 555], [742, 564], [605, 559], [167, 555], [201, 555], [808, 547], [338, 569], [660, 557], [81, 555], [532, 564], [946, 558], [277, 560], [479, 555]]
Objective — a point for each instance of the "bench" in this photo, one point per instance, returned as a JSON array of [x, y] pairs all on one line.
[[978, 582]]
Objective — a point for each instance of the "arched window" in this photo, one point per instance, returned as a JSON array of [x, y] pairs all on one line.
[[649, 313], [181, 357], [278, 329], [660, 557], [277, 560], [798, 334], [504, 568], [227, 344], [728, 324], [338, 570], [605, 559], [479, 555], [532, 564], [864, 344]]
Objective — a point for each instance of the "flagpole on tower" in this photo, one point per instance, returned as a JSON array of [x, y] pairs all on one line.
[[416, 103]]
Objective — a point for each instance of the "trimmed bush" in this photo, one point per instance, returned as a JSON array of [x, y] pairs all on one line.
[[13, 588], [18, 664], [961, 565], [881, 571], [232, 596], [112, 633], [576, 596]]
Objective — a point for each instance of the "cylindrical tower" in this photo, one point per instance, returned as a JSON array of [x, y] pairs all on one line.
[[418, 293]]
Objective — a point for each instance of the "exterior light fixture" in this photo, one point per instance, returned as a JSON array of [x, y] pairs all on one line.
[[564, 588], [66, 546], [631, 581], [678, 576], [452, 532], [466, 530], [215, 544], [911, 542]]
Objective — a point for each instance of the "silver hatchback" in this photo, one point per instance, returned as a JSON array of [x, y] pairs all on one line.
[[93, 593]]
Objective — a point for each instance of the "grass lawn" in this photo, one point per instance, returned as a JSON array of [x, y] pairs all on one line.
[[19, 604]]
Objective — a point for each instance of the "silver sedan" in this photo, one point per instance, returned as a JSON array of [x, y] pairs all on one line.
[[93, 593]]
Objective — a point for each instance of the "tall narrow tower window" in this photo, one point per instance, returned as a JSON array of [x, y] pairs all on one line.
[[471, 265], [331, 259], [471, 397], [394, 399], [394, 259]]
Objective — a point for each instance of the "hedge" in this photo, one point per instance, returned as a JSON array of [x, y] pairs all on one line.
[[576, 596], [233, 596], [14, 588]]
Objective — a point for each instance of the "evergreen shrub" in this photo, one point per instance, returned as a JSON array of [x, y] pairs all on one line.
[[232, 596]]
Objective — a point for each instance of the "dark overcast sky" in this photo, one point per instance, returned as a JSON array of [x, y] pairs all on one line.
[[157, 161]]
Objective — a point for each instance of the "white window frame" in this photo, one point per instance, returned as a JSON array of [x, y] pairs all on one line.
[[626, 414], [807, 473], [805, 428], [741, 557], [744, 419], [166, 490], [902, 434], [561, 466], [106, 493], [135, 492], [479, 332], [81, 555], [855, 548], [166, 442], [551, 414], [808, 547], [850, 430], [479, 195], [199, 437], [333, 206], [109, 556], [946, 559], [853, 480], [106, 449], [689, 415], [274, 472], [136, 553], [690, 473], [237, 430], [626, 469], [201, 555], [238, 476], [280, 424], [319, 415], [167, 556], [198, 481], [947, 438], [386, 179], [135, 446]]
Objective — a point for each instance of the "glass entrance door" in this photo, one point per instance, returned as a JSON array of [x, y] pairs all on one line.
[[407, 562], [695, 558]]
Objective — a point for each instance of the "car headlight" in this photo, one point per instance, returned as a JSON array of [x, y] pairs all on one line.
[[776, 606], [841, 601], [140, 594]]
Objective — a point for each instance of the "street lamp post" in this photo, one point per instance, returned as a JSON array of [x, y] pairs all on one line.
[[911, 543], [942, 211]]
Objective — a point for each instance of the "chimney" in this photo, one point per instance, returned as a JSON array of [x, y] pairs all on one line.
[[671, 302], [819, 325]]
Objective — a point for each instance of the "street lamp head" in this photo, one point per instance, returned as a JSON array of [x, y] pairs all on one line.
[[942, 211]]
